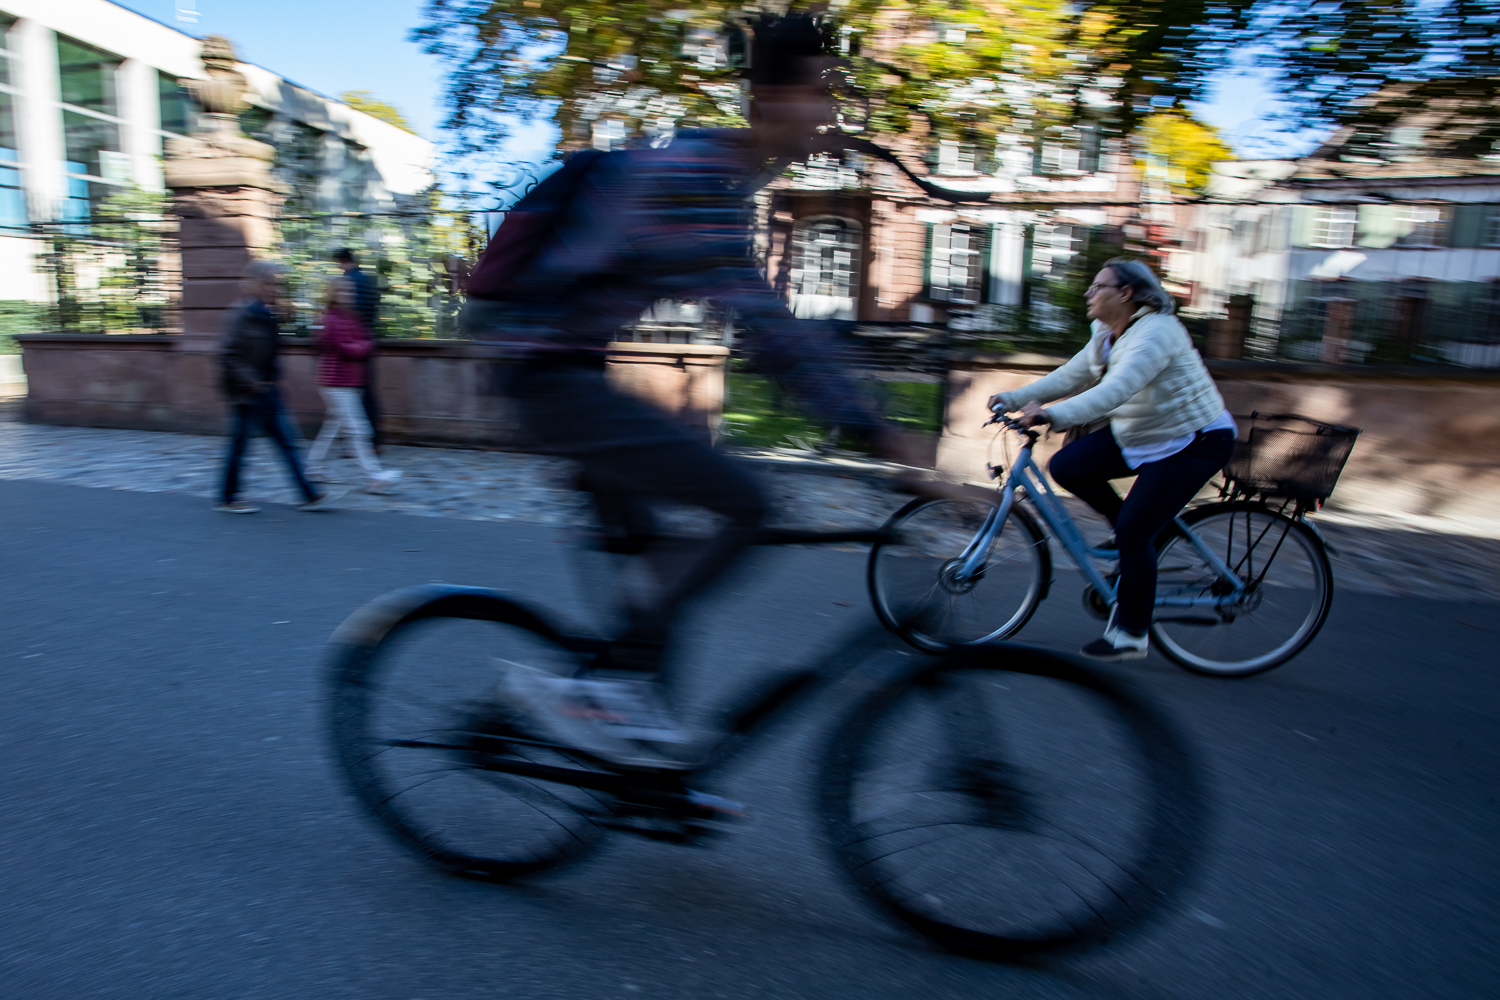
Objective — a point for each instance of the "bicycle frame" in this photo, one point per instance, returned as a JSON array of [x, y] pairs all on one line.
[[1026, 475]]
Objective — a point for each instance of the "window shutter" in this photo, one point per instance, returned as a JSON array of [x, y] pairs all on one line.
[[927, 262], [1304, 222], [986, 243], [1469, 226], [1379, 226]]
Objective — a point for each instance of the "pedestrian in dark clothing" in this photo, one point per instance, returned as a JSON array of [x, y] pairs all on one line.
[[250, 371], [367, 308]]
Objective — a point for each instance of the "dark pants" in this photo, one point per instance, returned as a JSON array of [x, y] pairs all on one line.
[[264, 412], [633, 456], [1085, 467], [372, 404]]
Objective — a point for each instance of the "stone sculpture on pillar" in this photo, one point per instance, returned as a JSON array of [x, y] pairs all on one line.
[[223, 191]]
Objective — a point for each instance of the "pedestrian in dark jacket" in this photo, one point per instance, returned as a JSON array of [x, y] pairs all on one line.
[[344, 343], [250, 371], [367, 307]]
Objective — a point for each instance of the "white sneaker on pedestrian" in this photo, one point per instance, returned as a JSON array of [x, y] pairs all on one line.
[[236, 507], [614, 720], [382, 482]]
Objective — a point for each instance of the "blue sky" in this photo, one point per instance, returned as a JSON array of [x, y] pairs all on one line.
[[337, 45]]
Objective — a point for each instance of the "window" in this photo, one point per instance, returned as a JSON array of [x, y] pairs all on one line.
[[96, 163], [1421, 226], [86, 76], [1492, 227], [958, 263], [957, 159], [174, 103], [825, 269], [1334, 227], [6, 23]]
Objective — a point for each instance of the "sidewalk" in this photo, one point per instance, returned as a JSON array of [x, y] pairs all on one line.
[[1452, 562]]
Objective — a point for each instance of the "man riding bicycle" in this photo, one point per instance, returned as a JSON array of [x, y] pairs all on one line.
[[635, 227]]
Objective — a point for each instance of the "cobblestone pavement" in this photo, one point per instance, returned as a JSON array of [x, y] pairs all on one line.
[[1454, 562]]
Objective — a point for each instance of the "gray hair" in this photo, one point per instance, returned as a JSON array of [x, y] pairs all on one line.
[[257, 272], [1145, 289]]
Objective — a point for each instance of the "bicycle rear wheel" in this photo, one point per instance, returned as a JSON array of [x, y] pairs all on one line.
[[917, 594], [1010, 801], [1289, 594], [418, 728]]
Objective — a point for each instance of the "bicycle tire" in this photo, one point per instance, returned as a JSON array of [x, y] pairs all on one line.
[[994, 777], [937, 625], [437, 799], [1195, 646]]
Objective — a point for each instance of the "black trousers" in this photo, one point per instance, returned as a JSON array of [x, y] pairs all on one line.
[[372, 403], [264, 412], [1085, 467], [633, 456]]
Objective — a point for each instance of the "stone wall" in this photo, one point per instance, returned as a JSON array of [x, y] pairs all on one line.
[[430, 391], [1430, 444]]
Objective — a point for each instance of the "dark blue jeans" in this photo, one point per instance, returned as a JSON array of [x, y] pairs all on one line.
[[1085, 467], [264, 411]]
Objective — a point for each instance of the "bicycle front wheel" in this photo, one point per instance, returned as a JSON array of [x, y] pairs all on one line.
[[422, 733], [1010, 801], [919, 593], [1289, 590]]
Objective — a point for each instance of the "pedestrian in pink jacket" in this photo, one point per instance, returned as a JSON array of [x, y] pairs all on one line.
[[343, 345]]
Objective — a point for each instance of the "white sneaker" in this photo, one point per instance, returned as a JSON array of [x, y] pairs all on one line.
[[609, 719], [1118, 644], [382, 482]]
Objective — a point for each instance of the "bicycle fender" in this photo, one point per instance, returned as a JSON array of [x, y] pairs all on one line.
[[1326, 543]]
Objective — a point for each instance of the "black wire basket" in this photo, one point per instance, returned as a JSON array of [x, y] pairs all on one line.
[[1288, 455]]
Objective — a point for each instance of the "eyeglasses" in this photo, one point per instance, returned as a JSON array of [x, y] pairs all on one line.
[[1096, 288]]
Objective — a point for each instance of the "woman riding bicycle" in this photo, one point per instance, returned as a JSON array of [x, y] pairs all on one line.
[[1167, 426]]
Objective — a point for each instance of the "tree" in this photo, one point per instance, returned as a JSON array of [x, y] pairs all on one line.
[[946, 68], [364, 100], [950, 69], [1179, 150]]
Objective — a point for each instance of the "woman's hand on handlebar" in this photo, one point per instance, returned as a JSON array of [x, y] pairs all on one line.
[[1033, 414]]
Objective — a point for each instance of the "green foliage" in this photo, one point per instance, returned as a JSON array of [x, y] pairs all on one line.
[[958, 69], [115, 273], [364, 100], [419, 259], [758, 415], [19, 317], [955, 69]]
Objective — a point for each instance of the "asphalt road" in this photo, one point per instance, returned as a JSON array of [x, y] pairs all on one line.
[[170, 826]]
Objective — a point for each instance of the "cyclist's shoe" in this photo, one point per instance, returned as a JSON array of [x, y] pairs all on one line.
[[1118, 644], [619, 721]]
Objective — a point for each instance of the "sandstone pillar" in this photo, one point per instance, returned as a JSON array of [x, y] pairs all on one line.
[[223, 191]]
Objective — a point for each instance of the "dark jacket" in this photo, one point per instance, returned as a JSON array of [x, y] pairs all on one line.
[[366, 298], [247, 354]]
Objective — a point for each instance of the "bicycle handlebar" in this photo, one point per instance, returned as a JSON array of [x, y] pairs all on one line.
[[1014, 424]]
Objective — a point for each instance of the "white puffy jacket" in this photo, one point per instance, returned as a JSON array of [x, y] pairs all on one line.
[[1153, 387]]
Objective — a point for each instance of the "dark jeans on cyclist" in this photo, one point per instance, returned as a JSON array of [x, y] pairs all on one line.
[[262, 411], [1162, 488], [631, 456]]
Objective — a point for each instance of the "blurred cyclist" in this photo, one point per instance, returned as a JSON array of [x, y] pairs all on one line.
[[626, 229]]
